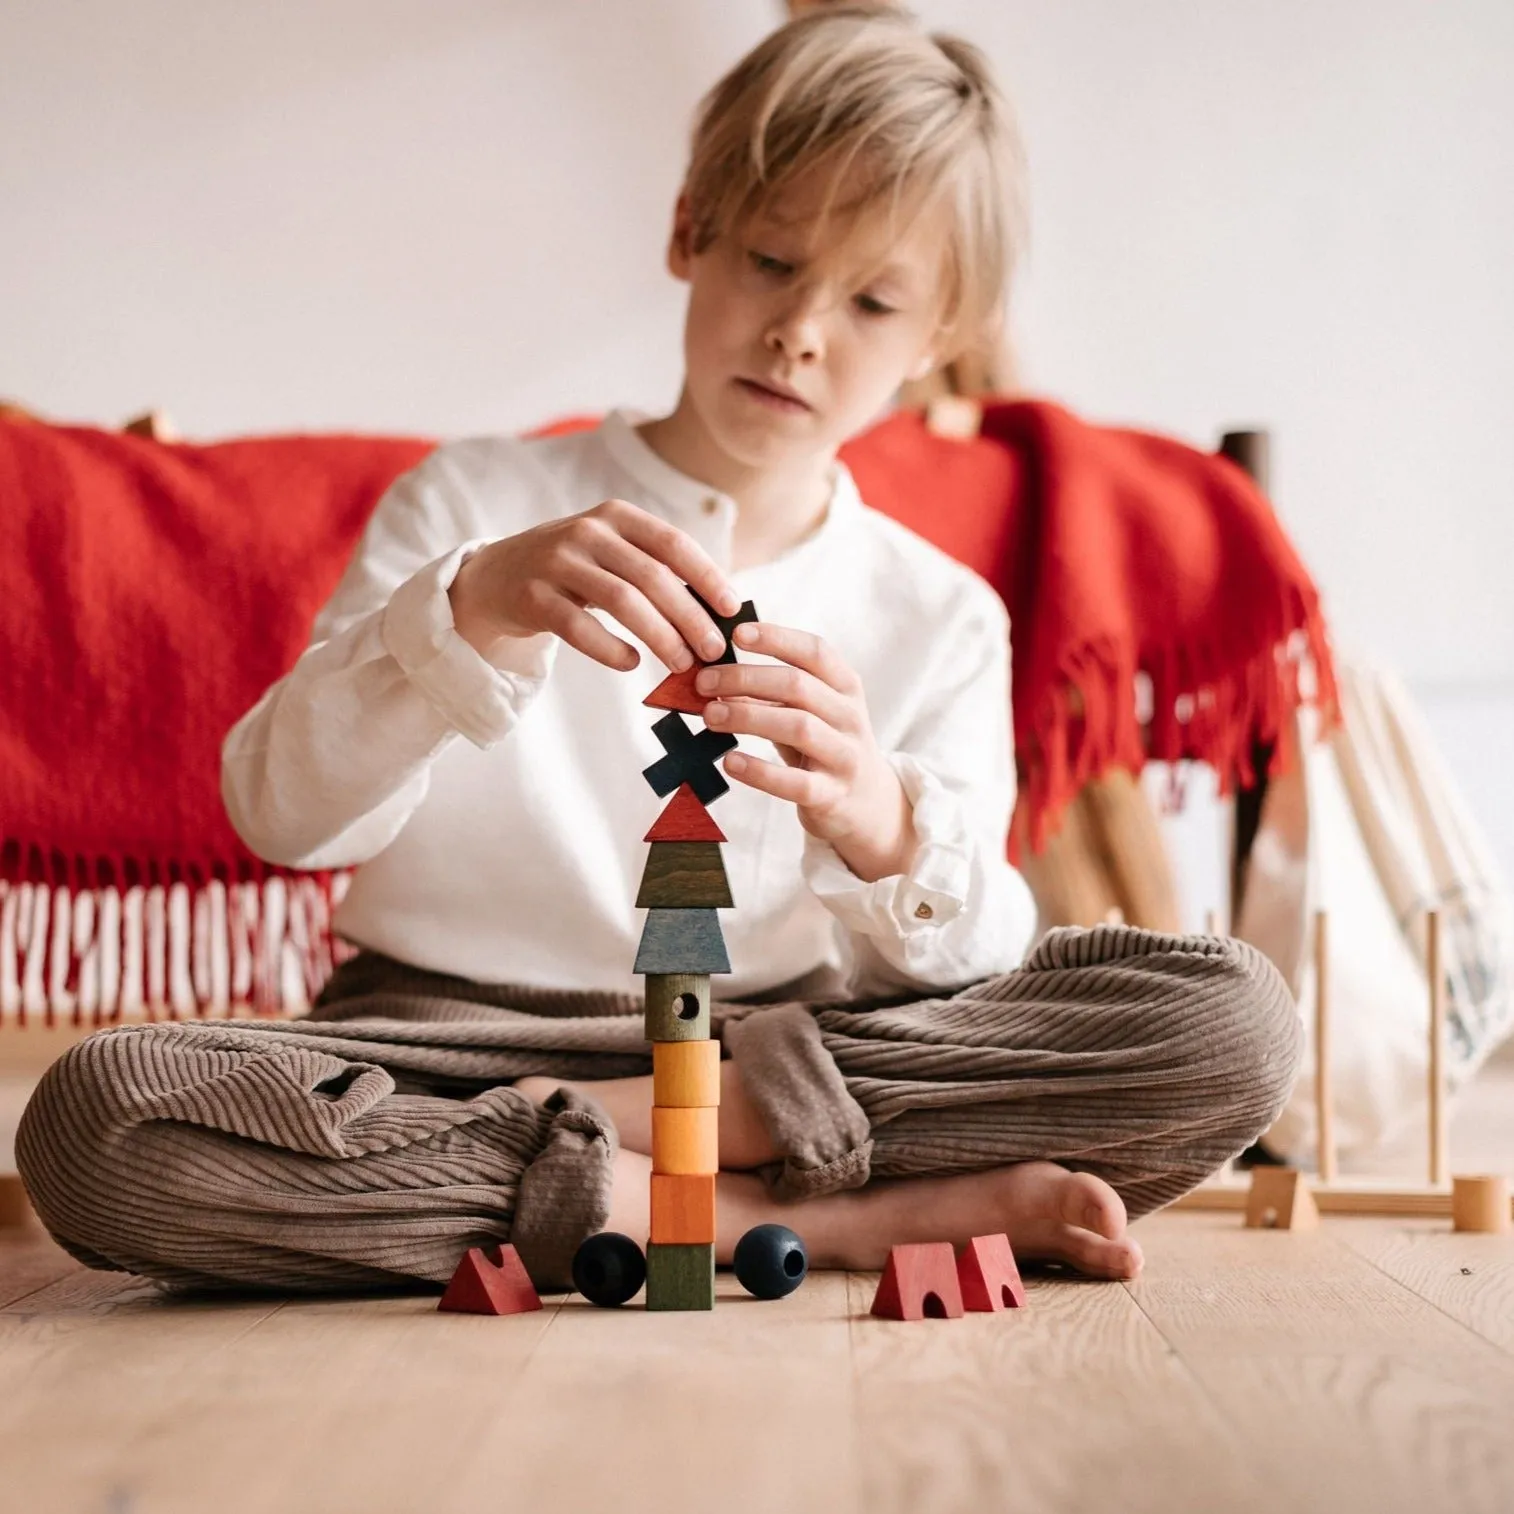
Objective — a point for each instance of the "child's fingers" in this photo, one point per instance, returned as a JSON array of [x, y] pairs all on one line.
[[664, 591], [622, 599], [779, 685], [689, 563], [807, 734], [580, 629], [803, 649], [806, 787]]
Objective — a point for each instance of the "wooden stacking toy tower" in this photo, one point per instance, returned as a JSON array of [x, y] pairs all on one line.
[[682, 887]]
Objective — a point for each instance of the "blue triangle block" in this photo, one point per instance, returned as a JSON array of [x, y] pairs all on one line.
[[682, 941]]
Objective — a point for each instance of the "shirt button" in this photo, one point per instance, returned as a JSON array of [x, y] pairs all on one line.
[[923, 911], [711, 505]]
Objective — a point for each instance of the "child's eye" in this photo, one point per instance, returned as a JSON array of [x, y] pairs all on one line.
[[775, 266], [871, 306]]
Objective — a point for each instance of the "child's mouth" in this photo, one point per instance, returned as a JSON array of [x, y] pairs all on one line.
[[770, 397]]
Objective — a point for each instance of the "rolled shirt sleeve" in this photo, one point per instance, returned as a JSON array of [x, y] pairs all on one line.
[[959, 913], [334, 759]]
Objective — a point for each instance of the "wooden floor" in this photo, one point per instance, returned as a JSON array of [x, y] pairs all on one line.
[[1367, 1366]]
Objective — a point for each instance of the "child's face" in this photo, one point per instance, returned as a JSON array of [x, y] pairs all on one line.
[[837, 328]]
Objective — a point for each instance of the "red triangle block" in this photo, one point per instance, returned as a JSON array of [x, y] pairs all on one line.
[[677, 692], [684, 819], [919, 1282], [989, 1277], [492, 1282]]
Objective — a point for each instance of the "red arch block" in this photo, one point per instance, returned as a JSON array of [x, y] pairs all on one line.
[[492, 1282], [919, 1281], [989, 1277]]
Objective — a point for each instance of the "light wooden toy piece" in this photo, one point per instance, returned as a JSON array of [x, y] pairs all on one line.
[[1280, 1200], [919, 1282], [677, 1007], [1361, 1196], [1440, 1160], [988, 1276], [490, 1282], [1481, 1204], [685, 1140], [686, 1074], [680, 1277], [683, 1209], [684, 875], [1324, 1102]]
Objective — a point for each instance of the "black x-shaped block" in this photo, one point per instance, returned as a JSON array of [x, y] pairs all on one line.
[[691, 759], [726, 623]]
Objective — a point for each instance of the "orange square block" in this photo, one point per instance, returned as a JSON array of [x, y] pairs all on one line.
[[685, 1140], [683, 1209], [685, 1074]]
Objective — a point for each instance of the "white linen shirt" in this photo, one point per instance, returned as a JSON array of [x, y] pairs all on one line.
[[495, 810]]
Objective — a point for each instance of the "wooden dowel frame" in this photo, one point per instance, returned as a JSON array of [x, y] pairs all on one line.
[[1324, 1105], [1438, 1133]]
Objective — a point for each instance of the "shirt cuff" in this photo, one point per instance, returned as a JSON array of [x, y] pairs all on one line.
[[914, 903], [482, 697]]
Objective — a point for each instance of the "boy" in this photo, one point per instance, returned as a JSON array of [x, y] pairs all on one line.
[[463, 732]]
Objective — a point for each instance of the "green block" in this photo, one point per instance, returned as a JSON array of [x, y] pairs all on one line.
[[684, 875], [677, 1007], [681, 1277]]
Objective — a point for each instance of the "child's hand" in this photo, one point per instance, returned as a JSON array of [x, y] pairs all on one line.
[[814, 712], [616, 557]]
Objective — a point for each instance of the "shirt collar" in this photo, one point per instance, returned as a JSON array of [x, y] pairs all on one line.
[[684, 499]]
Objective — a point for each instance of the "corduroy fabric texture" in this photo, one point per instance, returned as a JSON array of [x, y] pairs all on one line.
[[376, 1141]]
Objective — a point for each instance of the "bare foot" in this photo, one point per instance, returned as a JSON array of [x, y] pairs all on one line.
[[1048, 1213]]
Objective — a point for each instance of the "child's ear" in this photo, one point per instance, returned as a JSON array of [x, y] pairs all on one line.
[[924, 367], [681, 242]]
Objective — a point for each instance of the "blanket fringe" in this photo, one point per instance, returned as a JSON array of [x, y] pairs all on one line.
[[1169, 705], [92, 943]]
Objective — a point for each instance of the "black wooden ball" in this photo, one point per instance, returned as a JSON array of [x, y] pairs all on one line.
[[609, 1268], [770, 1261]]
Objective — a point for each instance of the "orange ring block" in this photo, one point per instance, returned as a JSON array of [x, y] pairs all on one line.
[[685, 1140], [685, 1074], [683, 1209]]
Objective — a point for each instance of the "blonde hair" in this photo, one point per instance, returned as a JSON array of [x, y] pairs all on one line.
[[878, 113]]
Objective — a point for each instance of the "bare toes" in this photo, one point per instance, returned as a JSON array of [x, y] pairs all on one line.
[[1089, 1203], [1097, 1255]]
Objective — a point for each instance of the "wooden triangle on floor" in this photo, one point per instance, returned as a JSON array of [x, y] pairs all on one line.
[[492, 1282], [1280, 1199]]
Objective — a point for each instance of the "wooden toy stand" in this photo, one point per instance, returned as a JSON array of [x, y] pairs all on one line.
[[1285, 1199]]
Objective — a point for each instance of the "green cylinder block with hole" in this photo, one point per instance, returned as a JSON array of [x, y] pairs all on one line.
[[678, 1007]]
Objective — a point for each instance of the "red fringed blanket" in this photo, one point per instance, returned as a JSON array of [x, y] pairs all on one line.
[[149, 593]]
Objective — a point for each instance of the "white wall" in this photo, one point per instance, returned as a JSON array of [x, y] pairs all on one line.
[[449, 216]]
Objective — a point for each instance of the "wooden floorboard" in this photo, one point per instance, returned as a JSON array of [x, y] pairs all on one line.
[[1357, 1392], [1073, 1403], [1357, 1367], [1469, 1277]]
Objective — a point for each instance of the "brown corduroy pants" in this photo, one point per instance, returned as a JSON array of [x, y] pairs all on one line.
[[373, 1142]]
